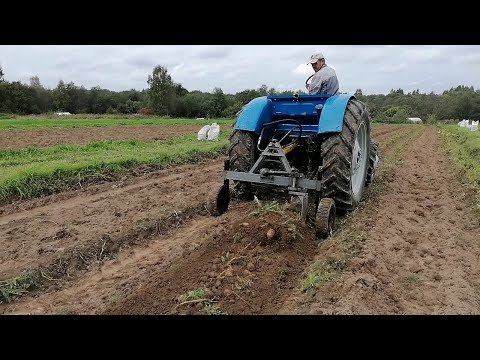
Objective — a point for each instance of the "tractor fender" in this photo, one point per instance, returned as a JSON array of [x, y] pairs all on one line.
[[333, 112], [254, 115]]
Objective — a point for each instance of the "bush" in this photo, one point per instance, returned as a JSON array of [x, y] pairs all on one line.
[[146, 111]]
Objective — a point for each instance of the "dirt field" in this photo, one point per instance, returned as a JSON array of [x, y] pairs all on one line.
[[17, 139], [141, 245]]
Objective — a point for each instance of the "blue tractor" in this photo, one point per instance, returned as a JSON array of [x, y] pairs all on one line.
[[316, 147]]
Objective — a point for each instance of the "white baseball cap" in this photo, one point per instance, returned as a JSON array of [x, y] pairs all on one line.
[[314, 58]]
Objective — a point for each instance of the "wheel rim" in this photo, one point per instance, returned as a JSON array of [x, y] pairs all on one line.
[[359, 161]]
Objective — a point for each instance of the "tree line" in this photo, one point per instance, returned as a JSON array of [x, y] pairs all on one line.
[[163, 97]]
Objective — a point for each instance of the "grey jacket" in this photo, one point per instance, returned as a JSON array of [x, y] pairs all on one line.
[[324, 82]]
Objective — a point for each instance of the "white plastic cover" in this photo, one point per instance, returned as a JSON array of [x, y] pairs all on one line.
[[203, 132], [214, 132]]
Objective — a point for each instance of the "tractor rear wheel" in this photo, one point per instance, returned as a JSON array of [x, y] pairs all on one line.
[[241, 153], [346, 158]]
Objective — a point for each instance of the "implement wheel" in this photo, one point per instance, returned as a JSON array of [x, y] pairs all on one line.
[[325, 221], [372, 162], [218, 199]]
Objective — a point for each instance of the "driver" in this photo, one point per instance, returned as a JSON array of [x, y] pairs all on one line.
[[324, 81]]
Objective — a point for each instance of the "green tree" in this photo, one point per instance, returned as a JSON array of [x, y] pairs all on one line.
[[246, 96], [161, 93], [396, 92], [92, 101], [397, 114], [463, 106], [262, 90], [2, 74], [192, 105], [60, 96], [17, 98], [271, 92], [42, 97], [180, 90], [35, 82], [219, 102]]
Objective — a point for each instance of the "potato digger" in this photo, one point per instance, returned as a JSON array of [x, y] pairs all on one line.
[[314, 147]]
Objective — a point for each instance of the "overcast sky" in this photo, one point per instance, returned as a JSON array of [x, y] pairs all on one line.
[[373, 68]]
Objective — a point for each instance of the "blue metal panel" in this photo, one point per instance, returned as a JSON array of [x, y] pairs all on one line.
[[331, 118], [306, 129], [297, 106], [292, 109], [254, 115]]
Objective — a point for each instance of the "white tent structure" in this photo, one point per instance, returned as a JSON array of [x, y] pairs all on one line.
[[415, 120], [473, 126]]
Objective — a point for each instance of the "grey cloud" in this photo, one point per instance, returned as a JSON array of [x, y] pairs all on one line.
[[470, 59], [141, 62], [392, 68], [213, 52]]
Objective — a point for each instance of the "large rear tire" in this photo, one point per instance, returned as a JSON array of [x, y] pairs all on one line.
[[241, 153], [346, 158]]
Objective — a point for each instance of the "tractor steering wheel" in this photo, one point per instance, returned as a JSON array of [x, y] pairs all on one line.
[[307, 85]]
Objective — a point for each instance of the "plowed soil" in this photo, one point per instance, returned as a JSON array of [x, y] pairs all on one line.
[[147, 245], [17, 139]]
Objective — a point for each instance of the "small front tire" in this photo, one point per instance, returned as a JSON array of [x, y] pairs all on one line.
[[325, 219], [218, 199]]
